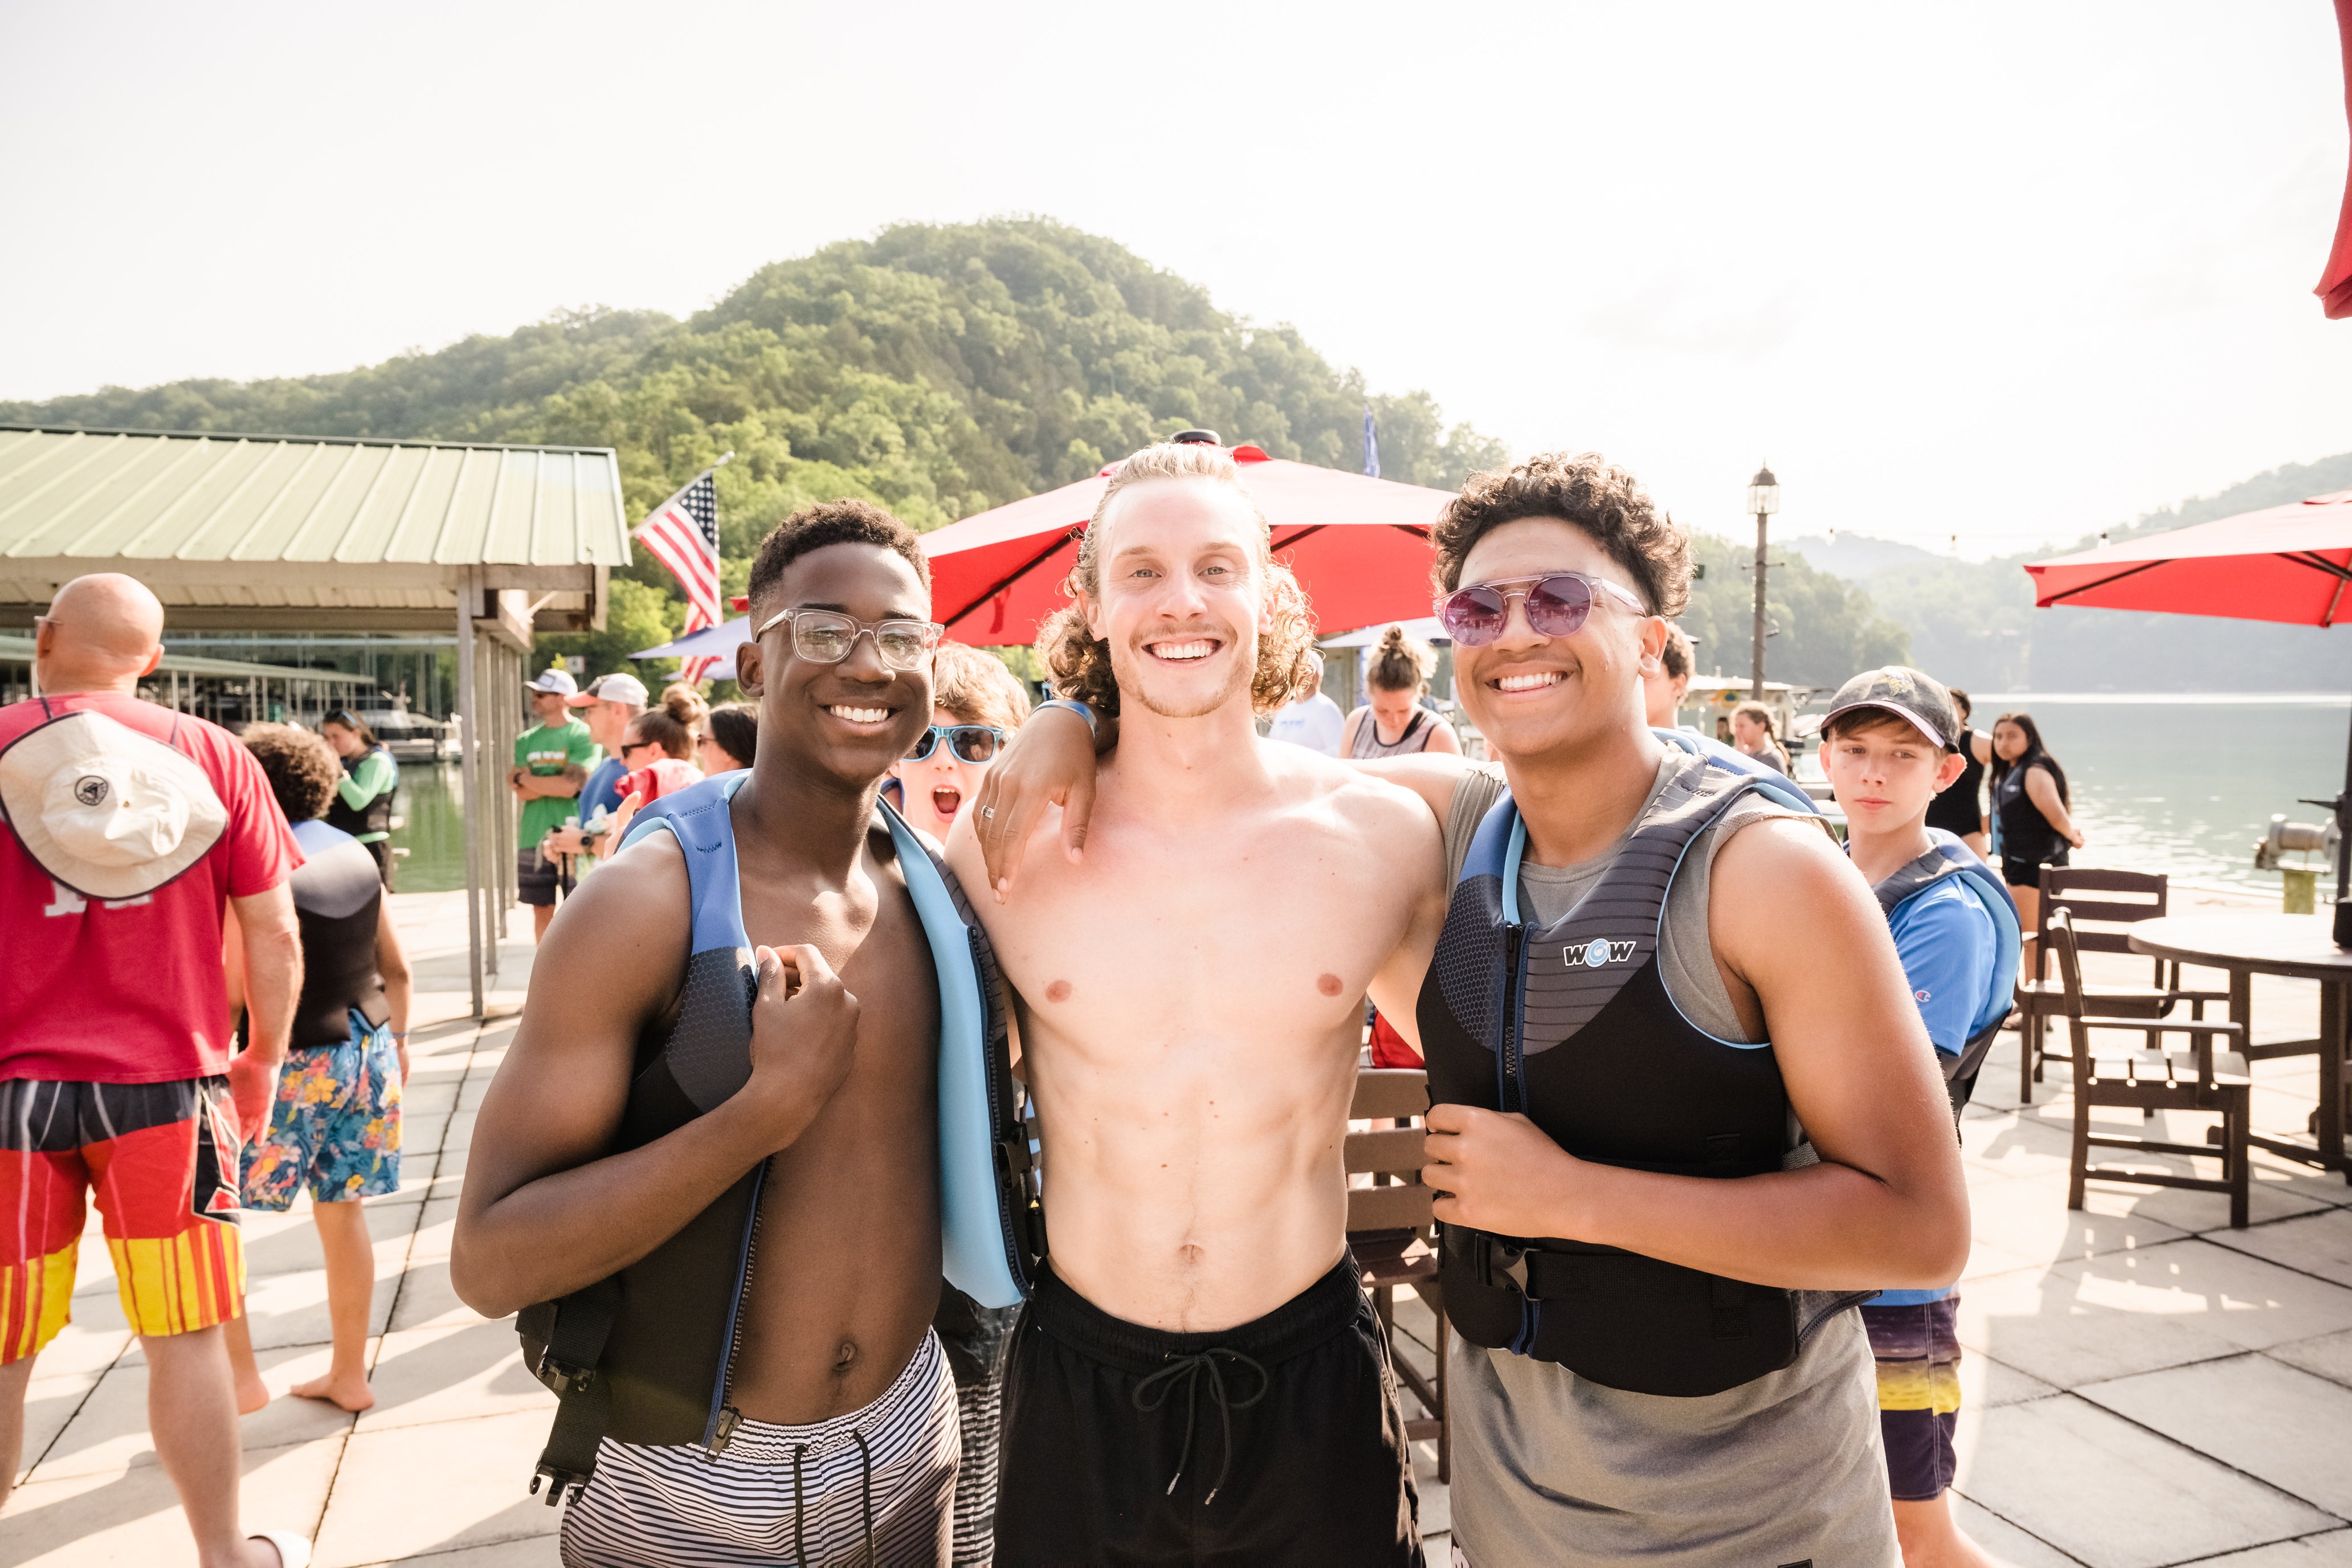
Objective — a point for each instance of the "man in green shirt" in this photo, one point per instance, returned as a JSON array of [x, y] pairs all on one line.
[[552, 761]]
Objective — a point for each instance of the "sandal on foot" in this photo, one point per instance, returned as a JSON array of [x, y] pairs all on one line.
[[293, 1551]]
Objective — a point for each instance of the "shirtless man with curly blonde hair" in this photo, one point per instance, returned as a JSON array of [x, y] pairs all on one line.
[[1199, 1377]]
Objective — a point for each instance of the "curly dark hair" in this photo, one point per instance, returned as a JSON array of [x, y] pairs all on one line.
[[1591, 493], [845, 522], [301, 768], [1080, 662]]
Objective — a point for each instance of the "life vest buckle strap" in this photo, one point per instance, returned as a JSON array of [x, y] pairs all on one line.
[[562, 1377]]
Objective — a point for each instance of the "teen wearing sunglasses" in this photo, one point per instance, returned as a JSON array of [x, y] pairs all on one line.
[[1670, 1041], [976, 704]]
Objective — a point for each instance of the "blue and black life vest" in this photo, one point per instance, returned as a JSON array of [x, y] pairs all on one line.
[[646, 1355], [1948, 857], [1571, 1025]]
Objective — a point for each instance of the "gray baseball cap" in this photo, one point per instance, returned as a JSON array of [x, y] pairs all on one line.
[[556, 680], [1906, 693]]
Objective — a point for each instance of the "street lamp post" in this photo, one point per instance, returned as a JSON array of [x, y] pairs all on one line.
[[1763, 500]]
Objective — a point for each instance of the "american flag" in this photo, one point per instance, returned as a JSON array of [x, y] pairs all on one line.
[[683, 534]]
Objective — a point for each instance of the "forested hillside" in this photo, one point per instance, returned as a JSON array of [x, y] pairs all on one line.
[[942, 370], [939, 370], [1973, 621]]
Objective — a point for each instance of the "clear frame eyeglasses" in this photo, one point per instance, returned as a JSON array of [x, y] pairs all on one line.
[[826, 637]]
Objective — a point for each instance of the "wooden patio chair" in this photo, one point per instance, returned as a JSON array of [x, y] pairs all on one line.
[[2114, 901], [1390, 1234], [2151, 1081]]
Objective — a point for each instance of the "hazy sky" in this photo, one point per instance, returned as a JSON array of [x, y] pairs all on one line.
[[2009, 271]]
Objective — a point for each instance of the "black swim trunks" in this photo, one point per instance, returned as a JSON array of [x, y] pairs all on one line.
[[1279, 1441]]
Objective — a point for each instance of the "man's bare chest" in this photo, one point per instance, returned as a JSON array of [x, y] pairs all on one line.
[[1154, 935]]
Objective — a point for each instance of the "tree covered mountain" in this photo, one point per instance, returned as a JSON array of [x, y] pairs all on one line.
[[937, 369], [944, 369], [1973, 623]]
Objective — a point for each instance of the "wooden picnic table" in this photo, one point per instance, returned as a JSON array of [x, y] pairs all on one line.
[[2297, 947]]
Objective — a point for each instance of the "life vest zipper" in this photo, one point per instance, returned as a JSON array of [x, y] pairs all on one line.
[[724, 1417], [1513, 1093]]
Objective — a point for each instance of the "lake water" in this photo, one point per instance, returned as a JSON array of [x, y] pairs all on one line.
[[2184, 783], [2181, 784]]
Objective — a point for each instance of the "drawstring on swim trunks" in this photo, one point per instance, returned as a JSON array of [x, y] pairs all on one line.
[[800, 1507], [800, 1500], [867, 1455], [1185, 1370]]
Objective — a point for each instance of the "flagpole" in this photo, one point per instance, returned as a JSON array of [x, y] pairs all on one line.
[[724, 458]]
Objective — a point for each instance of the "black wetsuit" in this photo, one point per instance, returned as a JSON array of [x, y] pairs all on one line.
[[1960, 808]]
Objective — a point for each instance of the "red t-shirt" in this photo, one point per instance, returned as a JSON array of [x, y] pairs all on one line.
[[662, 775], [132, 991]]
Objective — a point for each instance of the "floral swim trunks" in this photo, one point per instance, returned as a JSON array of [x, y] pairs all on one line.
[[336, 1125]]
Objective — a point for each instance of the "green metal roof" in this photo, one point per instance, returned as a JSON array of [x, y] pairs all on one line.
[[146, 496], [19, 650]]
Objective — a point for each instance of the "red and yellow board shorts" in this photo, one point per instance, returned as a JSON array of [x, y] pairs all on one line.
[[161, 1158]]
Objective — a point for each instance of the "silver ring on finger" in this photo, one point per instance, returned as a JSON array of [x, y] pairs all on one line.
[[987, 813]]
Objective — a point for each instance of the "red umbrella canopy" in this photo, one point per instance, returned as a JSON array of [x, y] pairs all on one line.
[[2290, 563], [1359, 546]]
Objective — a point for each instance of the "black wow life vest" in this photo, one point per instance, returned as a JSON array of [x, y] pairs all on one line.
[[648, 1354], [1571, 1025]]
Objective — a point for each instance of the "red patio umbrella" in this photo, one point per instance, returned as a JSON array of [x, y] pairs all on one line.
[[2291, 564], [1359, 546]]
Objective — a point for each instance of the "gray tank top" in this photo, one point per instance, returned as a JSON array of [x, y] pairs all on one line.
[[1415, 737]]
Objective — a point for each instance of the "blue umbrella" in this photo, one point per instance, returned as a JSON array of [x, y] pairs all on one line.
[[720, 641]]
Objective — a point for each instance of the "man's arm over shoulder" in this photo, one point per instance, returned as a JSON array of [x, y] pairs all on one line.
[[1402, 837], [546, 1209]]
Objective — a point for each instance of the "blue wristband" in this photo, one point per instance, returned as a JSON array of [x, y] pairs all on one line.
[[1094, 725]]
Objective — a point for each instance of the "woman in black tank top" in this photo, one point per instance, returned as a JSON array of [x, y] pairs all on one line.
[[2030, 801], [1393, 724], [1960, 808]]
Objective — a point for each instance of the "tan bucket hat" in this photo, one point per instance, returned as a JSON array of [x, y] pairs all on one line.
[[105, 810]]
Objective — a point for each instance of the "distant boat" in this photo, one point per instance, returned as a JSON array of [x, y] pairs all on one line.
[[409, 737]]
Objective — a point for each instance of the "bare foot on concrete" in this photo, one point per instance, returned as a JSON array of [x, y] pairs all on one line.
[[252, 1394], [350, 1391]]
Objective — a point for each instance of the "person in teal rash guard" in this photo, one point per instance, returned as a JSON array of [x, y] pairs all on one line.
[[363, 795]]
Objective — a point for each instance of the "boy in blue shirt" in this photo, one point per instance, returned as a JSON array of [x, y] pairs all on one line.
[[1891, 742]]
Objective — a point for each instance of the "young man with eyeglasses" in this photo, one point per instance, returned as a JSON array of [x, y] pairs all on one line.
[[1199, 1376], [1686, 1112], [834, 1422]]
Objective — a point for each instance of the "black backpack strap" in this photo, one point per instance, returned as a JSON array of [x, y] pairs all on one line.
[[572, 1334]]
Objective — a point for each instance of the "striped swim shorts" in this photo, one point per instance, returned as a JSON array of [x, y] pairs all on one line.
[[817, 1495], [162, 1160], [1917, 1349]]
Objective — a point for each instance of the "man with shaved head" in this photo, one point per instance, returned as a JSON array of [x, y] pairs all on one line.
[[132, 832]]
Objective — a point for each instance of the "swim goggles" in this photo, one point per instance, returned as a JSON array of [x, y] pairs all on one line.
[[826, 637], [966, 743], [1557, 605]]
